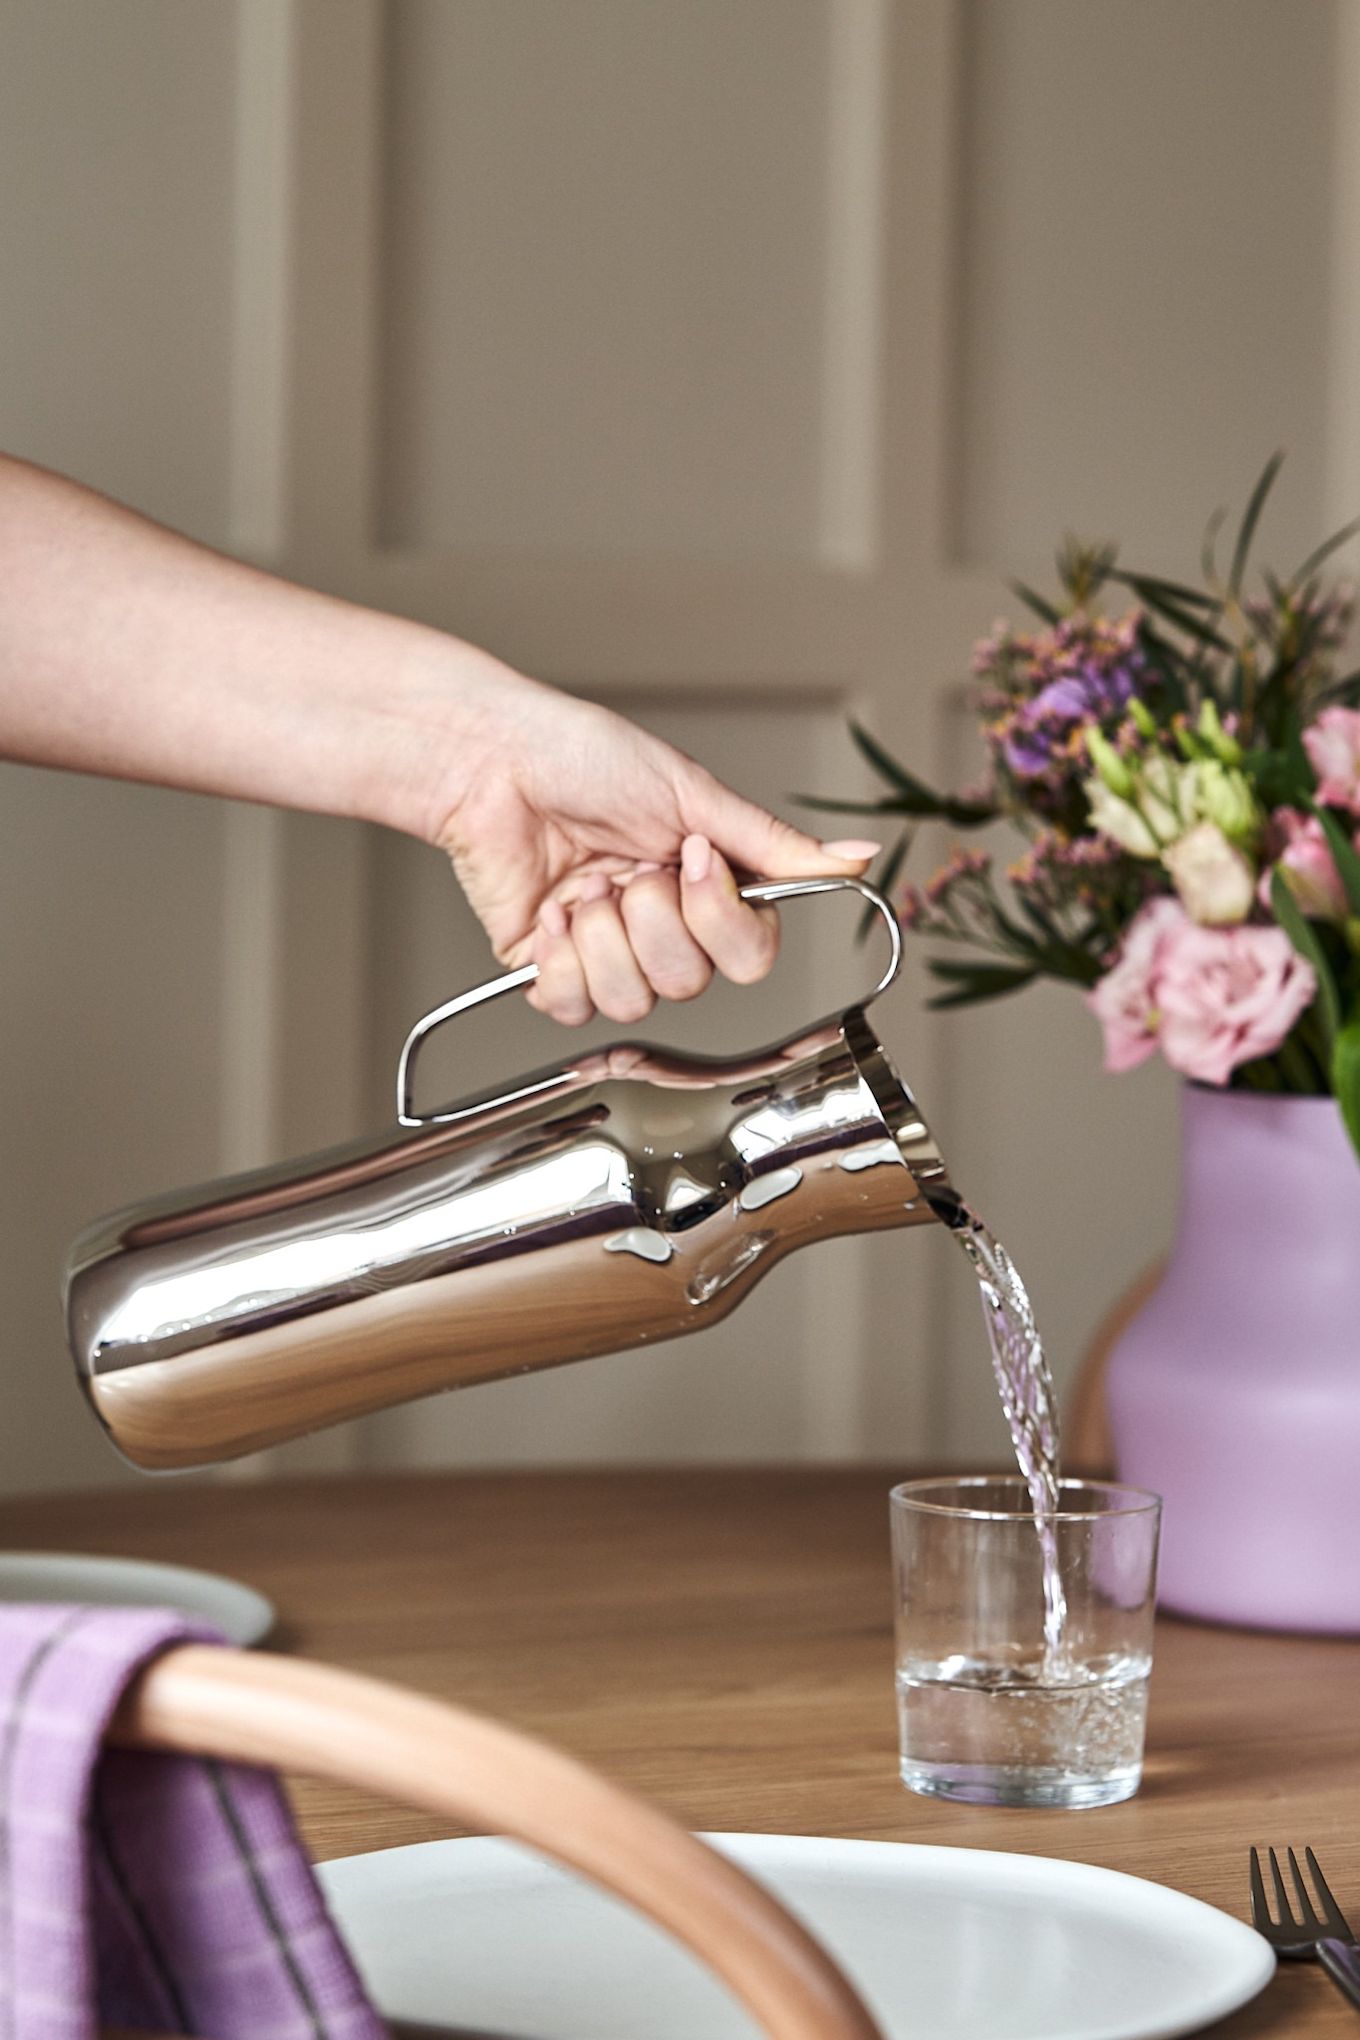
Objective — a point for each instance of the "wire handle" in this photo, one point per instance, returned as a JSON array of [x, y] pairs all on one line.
[[762, 891]]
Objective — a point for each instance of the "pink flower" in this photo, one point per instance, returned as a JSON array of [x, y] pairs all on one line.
[[1333, 747], [1226, 996], [911, 908], [1125, 1001], [1308, 866]]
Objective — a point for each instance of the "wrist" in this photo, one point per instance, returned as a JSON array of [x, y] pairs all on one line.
[[447, 720]]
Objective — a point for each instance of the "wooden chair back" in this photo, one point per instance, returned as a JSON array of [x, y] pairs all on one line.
[[292, 1716]]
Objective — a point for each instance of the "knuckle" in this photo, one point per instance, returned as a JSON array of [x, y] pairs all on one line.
[[755, 961], [680, 985], [749, 970], [649, 886], [628, 1007]]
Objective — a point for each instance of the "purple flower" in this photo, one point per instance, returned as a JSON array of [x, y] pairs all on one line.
[[1047, 687], [1028, 751], [1064, 700]]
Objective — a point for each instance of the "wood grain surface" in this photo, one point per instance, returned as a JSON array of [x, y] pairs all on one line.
[[721, 1641]]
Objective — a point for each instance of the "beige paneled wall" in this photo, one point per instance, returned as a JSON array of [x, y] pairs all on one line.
[[604, 244], [717, 357], [116, 163], [115, 234], [1145, 259]]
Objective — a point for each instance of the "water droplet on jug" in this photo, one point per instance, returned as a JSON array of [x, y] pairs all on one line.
[[648, 1246], [720, 1269], [765, 1189], [871, 1157]]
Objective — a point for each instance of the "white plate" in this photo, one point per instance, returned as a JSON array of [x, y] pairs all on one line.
[[945, 1944], [245, 1616]]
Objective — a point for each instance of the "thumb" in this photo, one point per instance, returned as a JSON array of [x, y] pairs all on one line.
[[759, 843]]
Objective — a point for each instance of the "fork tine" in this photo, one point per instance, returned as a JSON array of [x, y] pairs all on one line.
[[1310, 1917], [1260, 1910], [1281, 1900], [1331, 1911]]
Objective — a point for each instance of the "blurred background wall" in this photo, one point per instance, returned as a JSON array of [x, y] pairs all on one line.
[[719, 358]]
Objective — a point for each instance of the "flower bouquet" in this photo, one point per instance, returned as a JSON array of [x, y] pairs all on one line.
[[1184, 763]]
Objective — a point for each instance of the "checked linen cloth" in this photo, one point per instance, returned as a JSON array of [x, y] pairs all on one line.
[[160, 1892]]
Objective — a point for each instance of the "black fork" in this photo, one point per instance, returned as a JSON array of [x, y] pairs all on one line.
[[1320, 1933], [1293, 1938]]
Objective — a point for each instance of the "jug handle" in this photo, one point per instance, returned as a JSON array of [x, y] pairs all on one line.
[[762, 891]]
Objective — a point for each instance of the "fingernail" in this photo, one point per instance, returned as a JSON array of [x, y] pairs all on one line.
[[596, 887], [552, 917], [695, 858], [854, 852], [638, 869]]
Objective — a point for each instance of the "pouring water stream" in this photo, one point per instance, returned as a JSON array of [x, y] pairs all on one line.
[[1028, 1401]]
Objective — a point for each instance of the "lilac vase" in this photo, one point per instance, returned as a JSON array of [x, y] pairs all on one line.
[[1235, 1393]]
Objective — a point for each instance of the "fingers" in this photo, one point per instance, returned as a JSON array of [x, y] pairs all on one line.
[[586, 961], [613, 974], [741, 940], [660, 935], [561, 990], [673, 963], [755, 840]]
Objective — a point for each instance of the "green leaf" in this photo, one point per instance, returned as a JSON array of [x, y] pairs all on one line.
[[1324, 552], [913, 796], [998, 982], [891, 869], [885, 878], [1346, 1078], [1208, 544], [1173, 591], [1043, 609], [1250, 519], [978, 981], [1346, 690], [1260, 1075], [965, 966], [1304, 937], [1298, 1073], [888, 768], [1344, 855], [1183, 619], [1282, 774], [830, 806], [1167, 662]]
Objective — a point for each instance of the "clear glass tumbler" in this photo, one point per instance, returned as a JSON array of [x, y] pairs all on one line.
[[994, 1705]]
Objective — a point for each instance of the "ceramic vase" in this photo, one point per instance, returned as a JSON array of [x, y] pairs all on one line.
[[1235, 1393]]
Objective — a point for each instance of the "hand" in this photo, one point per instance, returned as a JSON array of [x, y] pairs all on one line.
[[583, 844], [606, 857]]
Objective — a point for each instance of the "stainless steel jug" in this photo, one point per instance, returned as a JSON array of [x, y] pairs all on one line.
[[628, 1196]]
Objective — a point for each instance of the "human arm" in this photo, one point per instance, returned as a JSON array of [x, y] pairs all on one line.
[[128, 650]]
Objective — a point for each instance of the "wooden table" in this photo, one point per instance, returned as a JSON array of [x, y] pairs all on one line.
[[720, 1640]]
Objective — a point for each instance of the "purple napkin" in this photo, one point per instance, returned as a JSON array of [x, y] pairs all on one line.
[[160, 1892]]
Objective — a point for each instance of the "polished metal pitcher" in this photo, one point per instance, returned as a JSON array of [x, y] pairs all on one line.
[[628, 1196]]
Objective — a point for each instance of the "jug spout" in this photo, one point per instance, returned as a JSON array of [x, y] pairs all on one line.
[[632, 1196]]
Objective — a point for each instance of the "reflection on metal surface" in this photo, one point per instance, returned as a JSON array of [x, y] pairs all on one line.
[[257, 1281], [682, 1191], [598, 1206]]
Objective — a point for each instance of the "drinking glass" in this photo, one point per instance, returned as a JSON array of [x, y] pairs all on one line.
[[991, 1708]]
